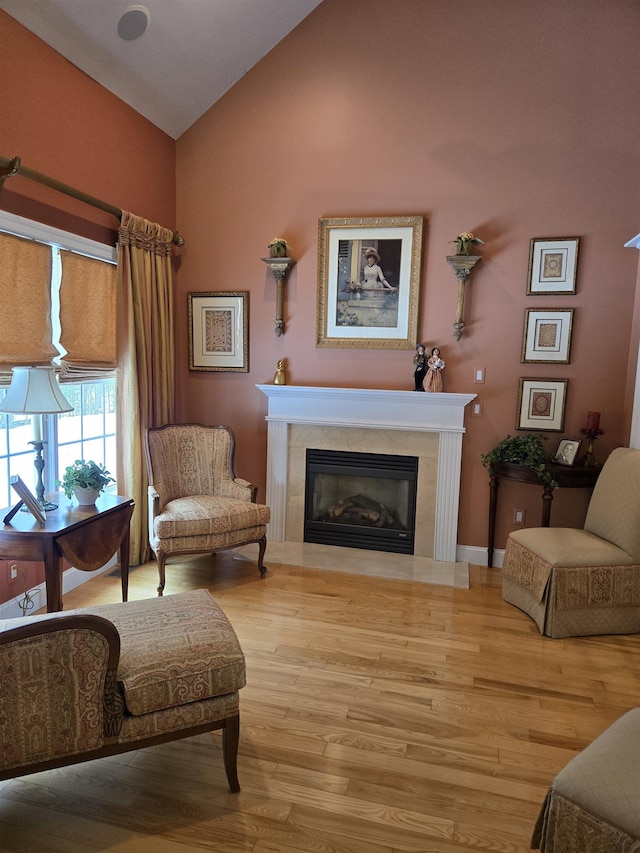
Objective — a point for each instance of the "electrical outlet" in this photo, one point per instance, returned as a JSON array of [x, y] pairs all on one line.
[[13, 571], [518, 516], [476, 409], [478, 375]]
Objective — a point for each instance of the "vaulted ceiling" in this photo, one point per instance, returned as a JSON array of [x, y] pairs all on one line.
[[189, 53]]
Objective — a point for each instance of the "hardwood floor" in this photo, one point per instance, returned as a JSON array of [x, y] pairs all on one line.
[[379, 716]]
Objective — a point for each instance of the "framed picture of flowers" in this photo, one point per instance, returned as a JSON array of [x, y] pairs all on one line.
[[368, 282]]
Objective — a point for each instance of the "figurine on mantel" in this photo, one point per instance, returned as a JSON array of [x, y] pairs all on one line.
[[435, 366], [280, 378], [419, 367]]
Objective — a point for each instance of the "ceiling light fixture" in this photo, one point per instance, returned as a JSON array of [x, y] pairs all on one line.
[[133, 23]]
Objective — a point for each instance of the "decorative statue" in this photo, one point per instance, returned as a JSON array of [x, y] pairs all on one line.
[[280, 378], [435, 365], [420, 367]]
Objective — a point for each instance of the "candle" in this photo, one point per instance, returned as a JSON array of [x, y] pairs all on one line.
[[36, 421], [593, 420]]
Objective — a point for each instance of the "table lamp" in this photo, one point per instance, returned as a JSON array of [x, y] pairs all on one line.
[[34, 391]]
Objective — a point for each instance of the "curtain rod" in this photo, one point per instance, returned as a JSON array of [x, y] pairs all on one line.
[[14, 167]]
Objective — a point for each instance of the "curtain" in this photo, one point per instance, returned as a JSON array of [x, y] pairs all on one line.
[[87, 318], [145, 342], [25, 296]]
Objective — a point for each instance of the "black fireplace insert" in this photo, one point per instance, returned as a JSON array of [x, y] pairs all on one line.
[[361, 500]]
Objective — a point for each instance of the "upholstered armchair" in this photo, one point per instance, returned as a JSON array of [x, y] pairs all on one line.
[[83, 684], [196, 503], [583, 582]]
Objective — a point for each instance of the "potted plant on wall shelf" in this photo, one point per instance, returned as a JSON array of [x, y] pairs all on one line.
[[85, 481], [527, 450]]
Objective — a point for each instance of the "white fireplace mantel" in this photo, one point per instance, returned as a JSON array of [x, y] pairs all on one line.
[[442, 413]]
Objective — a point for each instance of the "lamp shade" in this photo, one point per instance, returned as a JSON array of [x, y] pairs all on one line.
[[34, 391]]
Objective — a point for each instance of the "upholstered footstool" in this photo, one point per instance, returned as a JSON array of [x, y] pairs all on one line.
[[118, 677], [593, 805]]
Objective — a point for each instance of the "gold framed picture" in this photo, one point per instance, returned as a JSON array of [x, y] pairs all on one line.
[[219, 331], [541, 404], [553, 265], [369, 282], [547, 335]]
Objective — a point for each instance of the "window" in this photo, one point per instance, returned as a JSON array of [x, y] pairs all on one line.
[[89, 431]]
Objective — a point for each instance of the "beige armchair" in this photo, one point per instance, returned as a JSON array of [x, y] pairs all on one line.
[[84, 684], [583, 582], [196, 504]]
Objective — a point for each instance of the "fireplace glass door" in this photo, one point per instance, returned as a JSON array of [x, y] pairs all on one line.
[[361, 500]]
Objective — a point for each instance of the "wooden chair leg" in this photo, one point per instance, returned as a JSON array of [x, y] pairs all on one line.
[[262, 544], [230, 741], [161, 558]]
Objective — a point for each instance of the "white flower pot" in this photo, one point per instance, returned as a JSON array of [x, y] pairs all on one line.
[[86, 497]]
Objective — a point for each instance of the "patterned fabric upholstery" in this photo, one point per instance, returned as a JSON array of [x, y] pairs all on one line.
[[207, 515], [189, 459], [196, 504], [583, 582], [593, 805], [174, 650], [86, 683], [49, 704]]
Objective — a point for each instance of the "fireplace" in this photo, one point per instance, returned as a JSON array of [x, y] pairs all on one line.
[[360, 500], [428, 426]]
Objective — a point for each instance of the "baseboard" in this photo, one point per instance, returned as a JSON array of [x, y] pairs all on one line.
[[478, 556], [71, 579]]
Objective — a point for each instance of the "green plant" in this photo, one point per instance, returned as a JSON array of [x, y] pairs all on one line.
[[526, 450], [85, 475]]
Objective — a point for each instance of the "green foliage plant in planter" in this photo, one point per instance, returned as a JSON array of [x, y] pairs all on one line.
[[526, 450], [85, 475]]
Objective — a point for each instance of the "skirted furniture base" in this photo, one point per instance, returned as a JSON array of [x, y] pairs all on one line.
[[593, 805], [577, 600], [84, 684], [583, 582]]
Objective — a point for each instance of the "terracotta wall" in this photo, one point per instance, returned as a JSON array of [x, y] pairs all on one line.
[[64, 125], [512, 120]]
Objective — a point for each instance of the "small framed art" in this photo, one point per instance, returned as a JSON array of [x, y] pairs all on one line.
[[369, 282], [567, 451], [541, 404], [547, 335], [219, 331], [553, 265], [28, 499]]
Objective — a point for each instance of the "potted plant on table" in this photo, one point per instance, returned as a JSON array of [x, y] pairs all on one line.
[[527, 450], [85, 481]]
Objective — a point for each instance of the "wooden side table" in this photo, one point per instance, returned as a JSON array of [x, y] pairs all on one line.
[[87, 536], [566, 476]]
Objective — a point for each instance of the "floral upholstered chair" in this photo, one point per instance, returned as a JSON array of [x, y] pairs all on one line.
[[196, 503]]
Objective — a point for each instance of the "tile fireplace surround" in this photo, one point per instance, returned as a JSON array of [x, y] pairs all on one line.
[[429, 426]]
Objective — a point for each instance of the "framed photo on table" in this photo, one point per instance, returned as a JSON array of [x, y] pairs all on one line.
[[369, 282], [547, 335], [553, 265], [28, 499], [541, 404], [567, 451], [219, 331]]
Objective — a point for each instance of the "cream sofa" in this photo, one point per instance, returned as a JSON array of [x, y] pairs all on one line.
[[84, 684]]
